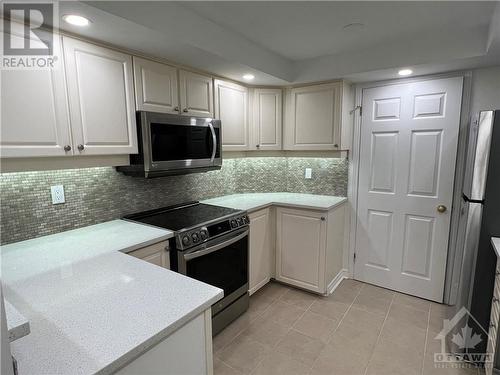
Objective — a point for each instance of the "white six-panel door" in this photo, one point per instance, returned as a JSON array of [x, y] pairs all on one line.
[[408, 148]]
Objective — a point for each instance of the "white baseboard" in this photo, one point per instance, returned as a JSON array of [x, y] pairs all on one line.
[[258, 286], [343, 274]]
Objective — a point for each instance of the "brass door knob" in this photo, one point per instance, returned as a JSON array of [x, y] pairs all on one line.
[[441, 208]]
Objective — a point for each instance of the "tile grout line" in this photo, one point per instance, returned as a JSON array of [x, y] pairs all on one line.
[[340, 321], [287, 332], [426, 336], [379, 334]]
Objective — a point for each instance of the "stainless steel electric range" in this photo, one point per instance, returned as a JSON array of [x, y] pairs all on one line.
[[210, 245]]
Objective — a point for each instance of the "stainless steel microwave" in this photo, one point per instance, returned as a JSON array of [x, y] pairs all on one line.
[[174, 144]]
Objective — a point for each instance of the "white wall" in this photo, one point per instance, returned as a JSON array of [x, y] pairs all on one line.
[[485, 89]]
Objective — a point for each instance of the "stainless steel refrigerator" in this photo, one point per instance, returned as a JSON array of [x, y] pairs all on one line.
[[480, 220]]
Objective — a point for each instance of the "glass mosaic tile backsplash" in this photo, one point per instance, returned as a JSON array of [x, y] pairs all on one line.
[[94, 195]]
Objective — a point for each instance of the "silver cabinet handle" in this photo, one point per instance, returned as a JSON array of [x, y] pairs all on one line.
[[67, 148], [80, 147], [177, 109], [336, 145], [257, 146], [185, 110], [323, 218]]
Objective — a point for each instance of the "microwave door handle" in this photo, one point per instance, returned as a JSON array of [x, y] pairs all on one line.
[[214, 141], [211, 249]]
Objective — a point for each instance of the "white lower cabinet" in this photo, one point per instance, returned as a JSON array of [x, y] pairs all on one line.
[[309, 247], [186, 351], [156, 254], [261, 249]]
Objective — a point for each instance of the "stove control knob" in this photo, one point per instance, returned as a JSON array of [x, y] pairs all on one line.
[[239, 221], [186, 240], [195, 237], [203, 234], [233, 224]]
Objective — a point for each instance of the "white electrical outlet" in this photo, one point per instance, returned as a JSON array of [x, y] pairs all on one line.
[[308, 173], [57, 193]]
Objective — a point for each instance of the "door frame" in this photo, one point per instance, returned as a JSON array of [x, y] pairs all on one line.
[[453, 261]]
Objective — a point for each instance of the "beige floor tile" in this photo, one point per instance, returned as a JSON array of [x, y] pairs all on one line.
[[376, 292], [280, 364], [414, 302], [316, 326], [259, 303], [283, 313], [299, 298], [273, 290], [220, 368], [300, 347], [266, 332], [404, 334], [341, 358], [391, 358], [244, 354], [372, 304], [231, 331], [409, 316], [355, 336], [330, 308], [364, 319], [350, 285]]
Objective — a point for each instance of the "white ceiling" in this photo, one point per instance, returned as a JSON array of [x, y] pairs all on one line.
[[303, 41]]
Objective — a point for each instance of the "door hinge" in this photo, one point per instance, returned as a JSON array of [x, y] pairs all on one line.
[[355, 108]]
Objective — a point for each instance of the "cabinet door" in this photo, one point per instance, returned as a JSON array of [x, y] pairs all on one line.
[[34, 116], [156, 254], [266, 127], [196, 92], [261, 251], [300, 248], [156, 87], [231, 107], [101, 99], [313, 118]]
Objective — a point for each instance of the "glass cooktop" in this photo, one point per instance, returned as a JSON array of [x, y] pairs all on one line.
[[182, 216]]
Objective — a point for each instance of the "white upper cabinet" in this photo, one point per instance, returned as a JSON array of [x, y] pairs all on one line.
[[34, 116], [231, 107], [313, 117], [101, 99], [266, 119], [156, 87], [196, 94]]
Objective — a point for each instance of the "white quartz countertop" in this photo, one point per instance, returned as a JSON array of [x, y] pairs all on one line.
[[17, 324], [255, 201], [92, 308], [496, 245]]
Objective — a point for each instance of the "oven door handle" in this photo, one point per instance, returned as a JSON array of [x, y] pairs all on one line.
[[211, 249], [214, 141]]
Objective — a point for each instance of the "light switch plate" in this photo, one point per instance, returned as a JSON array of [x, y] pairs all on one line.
[[57, 193], [308, 173]]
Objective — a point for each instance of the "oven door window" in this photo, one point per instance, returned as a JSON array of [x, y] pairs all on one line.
[[181, 142], [226, 268]]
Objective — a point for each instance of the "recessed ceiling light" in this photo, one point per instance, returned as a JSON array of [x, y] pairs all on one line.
[[354, 26], [405, 72], [248, 77], [76, 20]]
